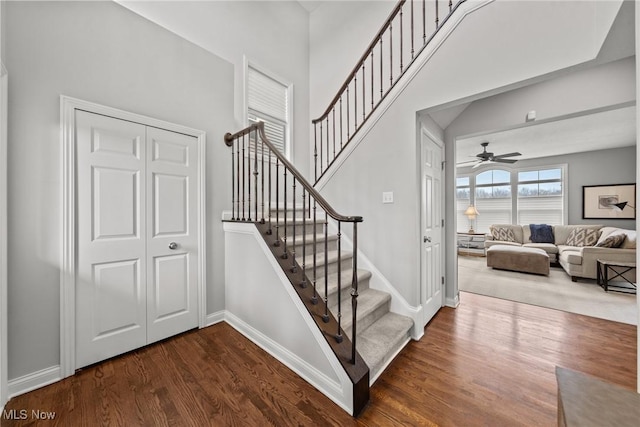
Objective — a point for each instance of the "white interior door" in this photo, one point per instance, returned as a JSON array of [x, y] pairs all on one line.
[[111, 278], [172, 229], [432, 289], [137, 248]]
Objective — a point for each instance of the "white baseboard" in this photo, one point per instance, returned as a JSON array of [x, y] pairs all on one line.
[[452, 302], [34, 380], [214, 318]]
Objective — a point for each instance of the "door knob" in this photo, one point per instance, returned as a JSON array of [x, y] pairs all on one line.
[[427, 239], [173, 245]]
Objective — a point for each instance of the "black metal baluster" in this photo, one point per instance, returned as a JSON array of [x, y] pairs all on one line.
[[233, 181], [412, 35], [381, 70], [303, 284], [237, 141], [424, 22], [334, 149], [450, 6], [270, 230], [314, 298], [339, 333], [243, 177], [355, 102], [348, 113], [354, 292], [372, 79], [293, 237], [333, 124], [341, 131], [277, 241], [364, 91], [284, 186], [390, 54], [401, 43], [321, 149], [255, 171], [315, 151], [262, 177], [248, 177], [437, 16], [325, 316]]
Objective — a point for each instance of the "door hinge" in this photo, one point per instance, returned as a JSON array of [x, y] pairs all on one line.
[[442, 225], [442, 164], [443, 280]]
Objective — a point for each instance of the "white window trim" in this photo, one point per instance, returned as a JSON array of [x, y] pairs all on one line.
[[564, 167], [289, 147]]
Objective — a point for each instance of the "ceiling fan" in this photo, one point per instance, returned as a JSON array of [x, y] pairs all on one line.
[[486, 156]]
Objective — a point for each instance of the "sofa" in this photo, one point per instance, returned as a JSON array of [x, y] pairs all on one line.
[[575, 247]]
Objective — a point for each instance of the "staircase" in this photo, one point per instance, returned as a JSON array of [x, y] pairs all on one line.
[[381, 334], [302, 230]]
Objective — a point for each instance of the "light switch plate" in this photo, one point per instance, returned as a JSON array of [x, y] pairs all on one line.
[[387, 197]]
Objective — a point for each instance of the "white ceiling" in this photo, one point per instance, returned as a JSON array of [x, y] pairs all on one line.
[[563, 135]]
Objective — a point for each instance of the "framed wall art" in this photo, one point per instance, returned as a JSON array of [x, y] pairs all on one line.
[[609, 201]]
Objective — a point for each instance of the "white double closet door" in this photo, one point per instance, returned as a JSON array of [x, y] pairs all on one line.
[[137, 251]]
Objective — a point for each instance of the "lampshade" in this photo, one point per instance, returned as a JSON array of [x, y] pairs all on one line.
[[471, 212]]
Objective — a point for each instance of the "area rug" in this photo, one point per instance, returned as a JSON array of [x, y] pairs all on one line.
[[555, 291]]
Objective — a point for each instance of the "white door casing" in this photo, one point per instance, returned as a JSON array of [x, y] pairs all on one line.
[[131, 273], [432, 252]]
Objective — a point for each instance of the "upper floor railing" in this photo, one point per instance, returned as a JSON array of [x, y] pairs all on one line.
[[406, 32]]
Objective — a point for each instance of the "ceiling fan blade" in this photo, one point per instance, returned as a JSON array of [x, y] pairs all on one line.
[[501, 156], [480, 163], [504, 160], [467, 162]]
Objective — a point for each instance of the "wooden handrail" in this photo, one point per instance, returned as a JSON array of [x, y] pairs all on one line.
[[362, 59], [228, 139]]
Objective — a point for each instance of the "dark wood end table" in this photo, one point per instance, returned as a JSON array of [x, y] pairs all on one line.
[[618, 269]]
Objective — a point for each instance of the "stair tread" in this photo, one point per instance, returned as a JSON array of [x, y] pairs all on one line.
[[382, 339], [347, 277], [368, 301], [331, 256], [308, 239]]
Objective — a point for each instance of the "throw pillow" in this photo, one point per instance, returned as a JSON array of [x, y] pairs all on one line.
[[613, 241], [503, 234], [583, 237], [541, 233]]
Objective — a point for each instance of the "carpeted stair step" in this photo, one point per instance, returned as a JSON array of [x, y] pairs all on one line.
[[381, 341], [330, 259], [307, 241], [347, 278], [372, 305]]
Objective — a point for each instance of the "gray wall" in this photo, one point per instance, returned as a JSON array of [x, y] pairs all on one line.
[[100, 52]]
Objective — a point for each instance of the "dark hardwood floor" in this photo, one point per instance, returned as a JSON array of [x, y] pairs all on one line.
[[489, 362]]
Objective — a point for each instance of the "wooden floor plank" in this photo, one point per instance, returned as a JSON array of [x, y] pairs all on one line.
[[488, 362]]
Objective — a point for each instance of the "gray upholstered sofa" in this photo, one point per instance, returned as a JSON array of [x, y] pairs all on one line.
[[577, 261]]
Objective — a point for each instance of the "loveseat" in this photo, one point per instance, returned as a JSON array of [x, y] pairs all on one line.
[[575, 247]]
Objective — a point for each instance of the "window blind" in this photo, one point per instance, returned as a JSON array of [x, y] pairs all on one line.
[[267, 101]]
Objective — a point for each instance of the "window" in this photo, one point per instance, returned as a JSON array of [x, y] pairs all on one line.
[[540, 197], [463, 200], [521, 196], [268, 102], [493, 198]]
